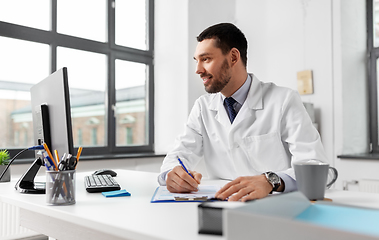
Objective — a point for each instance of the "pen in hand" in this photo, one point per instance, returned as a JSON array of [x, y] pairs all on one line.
[[185, 169]]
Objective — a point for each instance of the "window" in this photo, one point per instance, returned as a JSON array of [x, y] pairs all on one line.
[[129, 135], [94, 136], [373, 51], [80, 137], [108, 51]]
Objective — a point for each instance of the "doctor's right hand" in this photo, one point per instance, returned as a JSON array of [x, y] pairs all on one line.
[[179, 181]]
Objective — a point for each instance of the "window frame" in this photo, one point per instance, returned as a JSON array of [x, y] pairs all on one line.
[[373, 55], [113, 52]]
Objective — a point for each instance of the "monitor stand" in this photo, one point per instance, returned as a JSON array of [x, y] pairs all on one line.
[[26, 183]]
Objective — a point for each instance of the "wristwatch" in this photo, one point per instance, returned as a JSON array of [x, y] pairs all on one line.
[[273, 179]]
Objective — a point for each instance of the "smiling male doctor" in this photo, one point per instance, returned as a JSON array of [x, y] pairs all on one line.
[[247, 131]]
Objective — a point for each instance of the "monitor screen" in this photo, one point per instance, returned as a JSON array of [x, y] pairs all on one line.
[[51, 113]]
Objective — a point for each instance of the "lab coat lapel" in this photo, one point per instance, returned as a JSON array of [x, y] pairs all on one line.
[[254, 98], [221, 116]]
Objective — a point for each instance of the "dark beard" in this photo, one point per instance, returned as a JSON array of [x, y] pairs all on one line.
[[218, 84]]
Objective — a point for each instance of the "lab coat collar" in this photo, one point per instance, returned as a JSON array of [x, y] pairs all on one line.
[[253, 101], [254, 98]]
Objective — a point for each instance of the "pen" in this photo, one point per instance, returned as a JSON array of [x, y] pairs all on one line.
[[56, 156], [78, 156], [51, 156], [79, 152], [185, 169], [47, 164], [51, 164]]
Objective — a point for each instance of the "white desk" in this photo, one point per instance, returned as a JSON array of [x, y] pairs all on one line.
[[96, 217], [357, 199]]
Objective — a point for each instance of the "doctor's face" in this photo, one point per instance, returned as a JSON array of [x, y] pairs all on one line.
[[212, 66]]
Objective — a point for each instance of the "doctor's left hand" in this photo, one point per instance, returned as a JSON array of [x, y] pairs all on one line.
[[179, 181], [245, 188]]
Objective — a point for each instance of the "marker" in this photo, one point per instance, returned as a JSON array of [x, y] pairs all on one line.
[[64, 157], [185, 169]]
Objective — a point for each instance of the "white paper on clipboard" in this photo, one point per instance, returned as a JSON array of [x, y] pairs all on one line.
[[163, 195]]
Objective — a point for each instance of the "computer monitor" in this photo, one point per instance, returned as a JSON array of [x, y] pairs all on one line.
[[51, 111], [52, 95]]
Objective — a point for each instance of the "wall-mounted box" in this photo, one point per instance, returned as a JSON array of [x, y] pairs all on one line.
[[305, 82]]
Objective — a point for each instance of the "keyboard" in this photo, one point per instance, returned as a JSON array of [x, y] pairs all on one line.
[[100, 183]]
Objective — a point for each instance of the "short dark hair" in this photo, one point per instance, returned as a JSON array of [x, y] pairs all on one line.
[[227, 36]]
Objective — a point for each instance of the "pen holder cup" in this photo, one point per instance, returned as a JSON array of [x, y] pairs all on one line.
[[60, 187]]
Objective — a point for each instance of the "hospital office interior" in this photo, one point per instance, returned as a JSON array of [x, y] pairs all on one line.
[[328, 37]]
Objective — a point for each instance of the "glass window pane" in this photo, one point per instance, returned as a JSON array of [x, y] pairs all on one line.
[[23, 61], [87, 77], [30, 13], [131, 24], [131, 116], [83, 18], [18, 73]]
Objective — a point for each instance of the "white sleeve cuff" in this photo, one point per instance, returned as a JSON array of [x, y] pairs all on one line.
[[289, 183], [162, 178]]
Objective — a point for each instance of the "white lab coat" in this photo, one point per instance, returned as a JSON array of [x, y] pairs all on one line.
[[271, 130]]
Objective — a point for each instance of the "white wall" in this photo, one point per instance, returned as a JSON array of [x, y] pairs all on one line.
[[294, 37], [171, 71], [290, 36]]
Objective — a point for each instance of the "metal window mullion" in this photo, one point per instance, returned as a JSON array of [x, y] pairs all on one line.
[[372, 56], [150, 107], [131, 57], [25, 33], [370, 24], [49, 37], [111, 99], [373, 93], [129, 50], [111, 91], [151, 29], [150, 87]]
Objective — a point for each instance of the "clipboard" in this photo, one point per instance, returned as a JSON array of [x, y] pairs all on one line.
[[205, 192]]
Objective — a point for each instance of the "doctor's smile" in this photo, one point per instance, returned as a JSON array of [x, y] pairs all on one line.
[[206, 79]]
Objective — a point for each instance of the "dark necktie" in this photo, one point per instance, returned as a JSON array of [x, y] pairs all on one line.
[[229, 106]]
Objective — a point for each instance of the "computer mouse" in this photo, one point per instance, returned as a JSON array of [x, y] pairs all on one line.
[[105, 172]]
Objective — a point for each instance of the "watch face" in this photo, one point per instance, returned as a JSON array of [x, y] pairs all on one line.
[[274, 179]]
